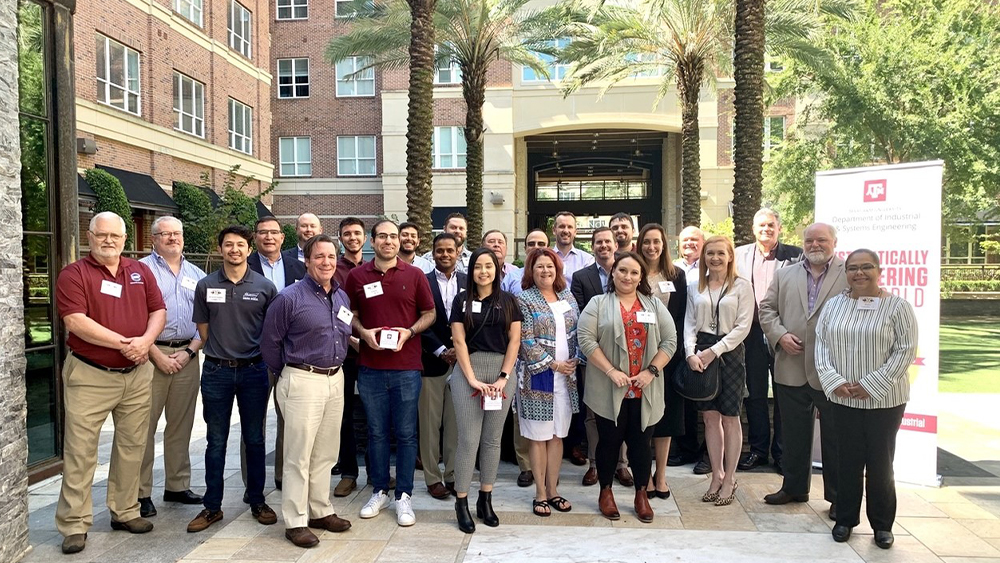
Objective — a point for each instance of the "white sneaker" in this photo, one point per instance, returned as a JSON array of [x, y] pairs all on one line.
[[404, 512], [375, 505]]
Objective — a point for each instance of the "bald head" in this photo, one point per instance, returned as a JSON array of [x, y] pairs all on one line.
[[690, 240], [306, 227]]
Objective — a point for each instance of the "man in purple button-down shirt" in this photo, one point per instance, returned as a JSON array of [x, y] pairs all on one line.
[[305, 339]]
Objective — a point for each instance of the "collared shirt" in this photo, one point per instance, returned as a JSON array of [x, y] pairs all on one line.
[[512, 282], [573, 260], [449, 289], [507, 268], [426, 266], [603, 275], [121, 302], [688, 268], [463, 260], [302, 254], [815, 283], [764, 266], [344, 267], [178, 295], [235, 316], [302, 327], [274, 273]]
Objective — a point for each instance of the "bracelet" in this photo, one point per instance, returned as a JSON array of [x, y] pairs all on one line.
[[610, 369]]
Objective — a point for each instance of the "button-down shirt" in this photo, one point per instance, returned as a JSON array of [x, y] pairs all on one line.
[[302, 327], [603, 274], [512, 282], [574, 259], [449, 289], [688, 268], [764, 266], [302, 254], [815, 283], [426, 266], [178, 294], [275, 273]]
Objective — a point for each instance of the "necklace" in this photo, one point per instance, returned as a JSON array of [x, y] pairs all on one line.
[[714, 325]]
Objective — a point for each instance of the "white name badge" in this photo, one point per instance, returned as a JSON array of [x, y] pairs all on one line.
[[388, 339], [560, 307], [188, 283], [492, 404], [477, 306], [345, 315], [216, 295], [868, 303], [373, 289], [667, 287], [111, 288], [646, 317]]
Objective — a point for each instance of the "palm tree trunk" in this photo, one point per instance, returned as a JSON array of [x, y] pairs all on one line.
[[748, 131], [474, 92], [689, 79], [420, 120]]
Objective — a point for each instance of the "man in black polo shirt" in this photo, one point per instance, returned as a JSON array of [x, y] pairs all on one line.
[[229, 308]]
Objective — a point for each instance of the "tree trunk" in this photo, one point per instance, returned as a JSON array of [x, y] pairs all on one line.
[[420, 120], [474, 92], [748, 131], [689, 79]]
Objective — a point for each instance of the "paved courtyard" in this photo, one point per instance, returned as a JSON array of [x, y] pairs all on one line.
[[957, 523]]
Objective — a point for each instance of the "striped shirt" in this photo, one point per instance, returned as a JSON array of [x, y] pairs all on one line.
[[874, 347], [178, 294]]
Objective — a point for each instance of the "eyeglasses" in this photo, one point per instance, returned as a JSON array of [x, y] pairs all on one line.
[[384, 236], [169, 234], [272, 233], [862, 268], [114, 237]]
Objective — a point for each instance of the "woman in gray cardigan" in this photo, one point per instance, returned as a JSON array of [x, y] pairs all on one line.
[[628, 336]]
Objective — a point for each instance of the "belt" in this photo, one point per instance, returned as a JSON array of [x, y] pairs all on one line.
[[173, 343], [313, 369], [241, 363], [92, 363]]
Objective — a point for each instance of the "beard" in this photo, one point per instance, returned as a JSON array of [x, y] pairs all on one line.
[[817, 257]]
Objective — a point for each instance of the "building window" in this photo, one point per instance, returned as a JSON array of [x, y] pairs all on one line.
[[447, 71], [350, 84], [356, 156], [240, 127], [295, 155], [239, 29], [556, 71], [449, 147], [293, 78], [344, 9], [190, 9], [118, 75], [189, 105], [774, 134], [293, 9]]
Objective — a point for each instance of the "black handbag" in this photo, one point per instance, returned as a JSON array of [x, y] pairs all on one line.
[[701, 386]]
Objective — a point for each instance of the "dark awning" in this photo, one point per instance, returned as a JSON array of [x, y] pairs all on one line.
[[141, 190], [263, 211]]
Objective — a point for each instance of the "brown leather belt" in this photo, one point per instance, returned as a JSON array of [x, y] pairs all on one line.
[[92, 363], [313, 369], [173, 343]]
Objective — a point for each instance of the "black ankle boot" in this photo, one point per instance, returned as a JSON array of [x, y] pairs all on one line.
[[484, 509], [465, 522]]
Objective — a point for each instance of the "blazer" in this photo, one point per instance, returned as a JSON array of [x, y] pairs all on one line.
[[601, 327], [586, 285], [785, 254], [439, 334], [785, 309], [294, 270], [292, 253]]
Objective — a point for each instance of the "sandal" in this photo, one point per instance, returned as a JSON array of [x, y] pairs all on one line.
[[560, 504], [728, 500], [537, 505]]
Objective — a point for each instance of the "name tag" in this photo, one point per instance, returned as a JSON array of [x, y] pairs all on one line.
[[477, 306], [646, 317], [111, 288], [216, 295], [373, 289], [868, 303], [492, 404], [667, 287], [560, 307], [188, 283], [345, 315], [388, 339]]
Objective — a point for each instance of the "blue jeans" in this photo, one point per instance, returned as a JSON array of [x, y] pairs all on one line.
[[250, 387], [390, 399]]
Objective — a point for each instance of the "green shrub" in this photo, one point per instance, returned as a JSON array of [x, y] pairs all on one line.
[[291, 239], [111, 197], [195, 211]]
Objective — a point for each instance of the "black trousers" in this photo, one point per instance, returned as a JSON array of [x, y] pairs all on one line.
[[866, 446], [627, 429], [760, 364], [348, 459], [798, 415]]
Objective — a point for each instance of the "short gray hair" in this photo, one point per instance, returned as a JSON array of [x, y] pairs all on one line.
[[692, 229], [768, 211], [155, 228], [106, 215]]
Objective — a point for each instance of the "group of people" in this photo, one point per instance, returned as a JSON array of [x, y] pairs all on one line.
[[587, 348]]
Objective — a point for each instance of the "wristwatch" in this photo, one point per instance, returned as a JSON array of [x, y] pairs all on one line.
[[654, 370], [191, 353], [504, 375]]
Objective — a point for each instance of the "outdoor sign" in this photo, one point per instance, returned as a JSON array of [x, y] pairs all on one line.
[[896, 211]]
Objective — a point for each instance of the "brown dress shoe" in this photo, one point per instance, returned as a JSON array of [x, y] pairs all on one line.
[[301, 537], [577, 456], [345, 487], [642, 508], [204, 519], [624, 477], [74, 543], [263, 513], [590, 477], [330, 522], [606, 501], [438, 490], [135, 525]]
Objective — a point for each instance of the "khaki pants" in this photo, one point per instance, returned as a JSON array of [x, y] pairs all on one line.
[[434, 410], [314, 405], [90, 394], [175, 395], [278, 438]]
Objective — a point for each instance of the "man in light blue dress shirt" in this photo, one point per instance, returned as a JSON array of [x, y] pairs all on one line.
[[564, 230], [512, 282]]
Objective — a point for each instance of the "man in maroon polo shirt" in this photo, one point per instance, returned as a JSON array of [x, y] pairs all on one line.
[[392, 303], [113, 310]]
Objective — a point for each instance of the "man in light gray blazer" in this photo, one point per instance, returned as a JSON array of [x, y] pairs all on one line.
[[788, 316]]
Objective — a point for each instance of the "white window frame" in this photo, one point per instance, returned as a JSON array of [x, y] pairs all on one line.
[[301, 163], [182, 81], [192, 10], [357, 160], [556, 71], [346, 13], [453, 68], [241, 38], [356, 62], [130, 86], [457, 135], [292, 6], [768, 147], [241, 141], [295, 64]]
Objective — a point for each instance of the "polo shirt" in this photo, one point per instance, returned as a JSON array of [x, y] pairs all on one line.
[[405, 293], [344, 267], [235, 323], [79, 290]]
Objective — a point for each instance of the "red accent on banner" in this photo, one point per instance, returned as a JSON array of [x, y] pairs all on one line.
[[919, 423], [918, 362], [875, 190]]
